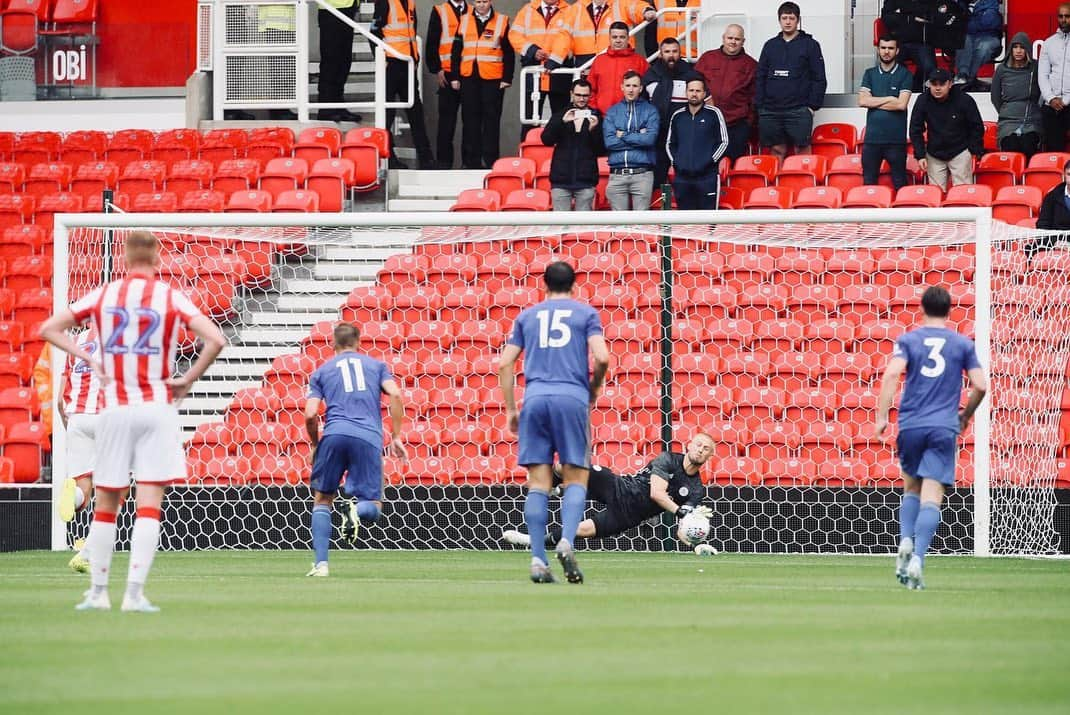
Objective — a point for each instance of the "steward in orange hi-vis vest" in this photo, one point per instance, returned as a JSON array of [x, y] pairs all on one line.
[[394, 21], [587, 28], [531, 35], [441, 29], [674, 24]]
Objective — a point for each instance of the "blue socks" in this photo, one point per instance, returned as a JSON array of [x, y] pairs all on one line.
[[368, 512], [573, 503], [908, 515], [928, 520], [536, 516], [321, 531]]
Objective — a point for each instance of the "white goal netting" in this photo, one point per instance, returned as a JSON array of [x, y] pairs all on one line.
[[771, 337]]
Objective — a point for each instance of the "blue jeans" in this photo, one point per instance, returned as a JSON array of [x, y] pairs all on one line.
[[978, 50]]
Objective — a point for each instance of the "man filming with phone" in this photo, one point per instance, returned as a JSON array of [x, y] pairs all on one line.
[[575, 133]]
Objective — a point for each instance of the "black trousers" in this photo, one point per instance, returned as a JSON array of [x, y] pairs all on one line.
[[1028, 144], [481, 113], [1055, 126], [397, 88], [895, 154], [738, 136], [336, 53], [695, 193], [449, 103]]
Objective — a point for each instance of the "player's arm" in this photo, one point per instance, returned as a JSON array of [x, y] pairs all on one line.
[[213, 342], [312, 420], [54, 330], [397, 414], [61, 388], [978, 388], [600, 357], [506, 380], [889, 383]]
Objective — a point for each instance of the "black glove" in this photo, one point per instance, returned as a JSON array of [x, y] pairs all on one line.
[[684, 511]]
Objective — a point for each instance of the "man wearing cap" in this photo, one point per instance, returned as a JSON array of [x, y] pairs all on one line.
[[955, 131]]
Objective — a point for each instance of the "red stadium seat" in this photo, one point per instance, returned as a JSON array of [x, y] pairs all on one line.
[[142, 177], [12, 176], [510, 174], [219, 145], [845, 172], [477, 200], [527, 200], [297, 202], [802, 170], [877, 197], [318, 143], [730, 197], [24, 444], [93, 178], [753, 171], [206, 201], [289, 372], [19, 28], [249, 202], [330, 178], [36, 147], [236, 175], [175, 145], [189, 175], [83, 146], [1045, 170], [919, 195], [1000, 169], [834, 139], [283, 174], [818, 197], [47, 178], [130, 145], [991, 137], [377, 137], [28, 273], [16, 209], [267, 143], [32, 307], [968, 195], [58, 203], [252, 405], [769, 197], [160, 202], [1014, 203]]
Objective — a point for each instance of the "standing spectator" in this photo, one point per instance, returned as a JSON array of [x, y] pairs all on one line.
[[575, 133], [955, 131], [630, 130], [482, 63], [673, 24], [1054, 215], [531, 34], [609, 67], [441, 29], [394, 21], [730, 73], [921, 26], [666, 85], [791, 85], [1016, 96], [336, 58], [697, 140], [885, 93], [586, 28], [1054, 79], [984, 40]]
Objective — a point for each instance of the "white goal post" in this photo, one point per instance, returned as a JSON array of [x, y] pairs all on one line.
[[770, 234]]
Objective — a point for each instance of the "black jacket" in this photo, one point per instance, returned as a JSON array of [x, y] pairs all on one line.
[[790, 74], [659, 81], [574, 164], [944, 26], [952, 125], [1054, 216], [696, 142]]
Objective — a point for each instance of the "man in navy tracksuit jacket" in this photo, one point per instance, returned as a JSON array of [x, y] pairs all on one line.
[[789, 86], [698, 138], [630, 129]]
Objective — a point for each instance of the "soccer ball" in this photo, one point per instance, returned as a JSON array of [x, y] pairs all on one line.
[[695, 528]]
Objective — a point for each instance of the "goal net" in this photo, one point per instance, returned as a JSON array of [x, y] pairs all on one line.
[[767, 330]]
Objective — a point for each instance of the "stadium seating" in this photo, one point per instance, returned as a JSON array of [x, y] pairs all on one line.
[[1000, 169], [753, 171], [477, 200], [527, 200], [876, 197], [921, 196], [818, 197], [834, 139], [1014, 203], [510, 174]]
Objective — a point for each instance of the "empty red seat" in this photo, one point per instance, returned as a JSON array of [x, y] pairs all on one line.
[[52, 204], [376, 136], [142, 177], [35, 147], [802, 170], [236, 175], [16, 209], [219, 145], [1014, 203], [477, 200], [834, 139], [818, 197], [877, 197], [12, 176], [47, 178], [318, 143], [83, 146], [249, 202], [129, 145], [284, 174], [28, 273], [190, 175], [527, 200], [296, 202], [845, 172], [509, 174], [93, 178], [753, 171], [266, 143], [999, 169], [968, 195], [205, 201], [1045, 169], [159, 202], [330, 179], [919, 195], [769, 197], [175, 145], [24, 444]]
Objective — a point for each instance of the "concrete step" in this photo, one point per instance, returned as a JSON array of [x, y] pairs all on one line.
[[367, 255], [241, 353], [302, 286], [319, 302], [414, 183], [245, 370], [347, 271], [287, 338], [298, 319]]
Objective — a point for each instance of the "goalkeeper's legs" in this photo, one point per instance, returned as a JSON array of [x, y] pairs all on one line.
[[908, 516]]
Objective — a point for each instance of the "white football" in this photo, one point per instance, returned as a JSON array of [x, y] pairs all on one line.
[[695, 528]]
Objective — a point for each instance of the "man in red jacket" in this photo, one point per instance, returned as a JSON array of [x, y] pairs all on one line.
[[729, 73], [609, 67]]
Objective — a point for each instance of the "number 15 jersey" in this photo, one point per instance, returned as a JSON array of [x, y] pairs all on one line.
[[138, 322], [936, 359], [553, 335]]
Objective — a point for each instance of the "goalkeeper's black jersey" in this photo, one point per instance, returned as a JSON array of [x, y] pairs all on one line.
[[683, 488]]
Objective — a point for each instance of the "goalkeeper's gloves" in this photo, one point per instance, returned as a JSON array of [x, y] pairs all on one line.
[[705, 550], [684, 510], [705, 512]]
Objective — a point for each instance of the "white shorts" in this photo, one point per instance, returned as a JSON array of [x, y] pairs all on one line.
[[143, 439], [81, 445]]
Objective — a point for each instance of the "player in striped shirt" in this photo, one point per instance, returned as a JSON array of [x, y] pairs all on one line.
[[138, 319], [81, 399]]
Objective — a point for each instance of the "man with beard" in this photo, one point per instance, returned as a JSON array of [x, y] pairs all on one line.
[[666, 85]]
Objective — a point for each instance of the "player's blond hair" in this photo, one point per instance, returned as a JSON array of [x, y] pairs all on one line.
[[142, 249]]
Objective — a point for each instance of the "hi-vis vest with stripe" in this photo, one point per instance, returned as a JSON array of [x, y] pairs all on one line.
[[530, 27], [399, 32], [674, 24], [275, 17], [341, 4], [485, 49], [580, 36], [450, 23]]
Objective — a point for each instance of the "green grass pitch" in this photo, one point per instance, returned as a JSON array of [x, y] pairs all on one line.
[[457, 632]]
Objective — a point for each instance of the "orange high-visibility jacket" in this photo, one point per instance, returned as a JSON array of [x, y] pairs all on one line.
[[582, 39], [400, 29], [674, 24], [483, 49], [530, 31], [449, 24]]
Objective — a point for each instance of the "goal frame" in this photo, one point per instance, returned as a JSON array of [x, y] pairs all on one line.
[[650, 221]]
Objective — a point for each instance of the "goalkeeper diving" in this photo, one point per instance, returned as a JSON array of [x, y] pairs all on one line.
[[669, 483]]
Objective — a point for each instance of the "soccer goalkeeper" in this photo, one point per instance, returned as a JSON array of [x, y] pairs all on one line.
[[669, 483]]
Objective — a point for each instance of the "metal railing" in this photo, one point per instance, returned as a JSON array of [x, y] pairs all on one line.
[[533, 100]]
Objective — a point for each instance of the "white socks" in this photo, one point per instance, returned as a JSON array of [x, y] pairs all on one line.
[[143, 543], [99, 545]]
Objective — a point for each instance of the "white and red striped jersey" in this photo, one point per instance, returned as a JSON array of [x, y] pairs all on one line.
[[83, 395], [138, 320]]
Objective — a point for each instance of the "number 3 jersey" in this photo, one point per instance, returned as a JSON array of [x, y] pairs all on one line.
[[138, 322], [936, 359], [350, 385], [553, 335]]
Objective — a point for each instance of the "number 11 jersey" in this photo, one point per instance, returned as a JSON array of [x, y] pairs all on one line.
[[350, 385]]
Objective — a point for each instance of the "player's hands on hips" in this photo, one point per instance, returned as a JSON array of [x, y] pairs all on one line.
[[964, 421], [397, 449], [179, 387], [98, 370], [879, 426], [513, 419]]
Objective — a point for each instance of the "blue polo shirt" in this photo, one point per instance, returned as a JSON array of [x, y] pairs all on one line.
[[882, 126]]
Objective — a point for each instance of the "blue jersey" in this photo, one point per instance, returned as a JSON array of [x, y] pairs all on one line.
[[350, 384], [936, 359], [553, 335]]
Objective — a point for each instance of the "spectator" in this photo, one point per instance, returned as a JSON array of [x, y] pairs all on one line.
[[1054, 215], [955, 131], [336, 58], [441, 29], [609, 67], [921, 26], [1016, 96], [394, 21], [575, 133], [1054, 80], [630, 130], [673, 24], [984, 40], [482, 62], [729, 73], [666, 85], [697, 140], [885, 93], [531, 34], [790, 85], [586, 28]]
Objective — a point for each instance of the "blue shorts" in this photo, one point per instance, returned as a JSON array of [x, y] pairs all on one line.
[[558, 424], [928, 453], [360, 461]]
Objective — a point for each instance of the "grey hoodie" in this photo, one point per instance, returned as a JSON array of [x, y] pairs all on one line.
[[1016, 94]]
